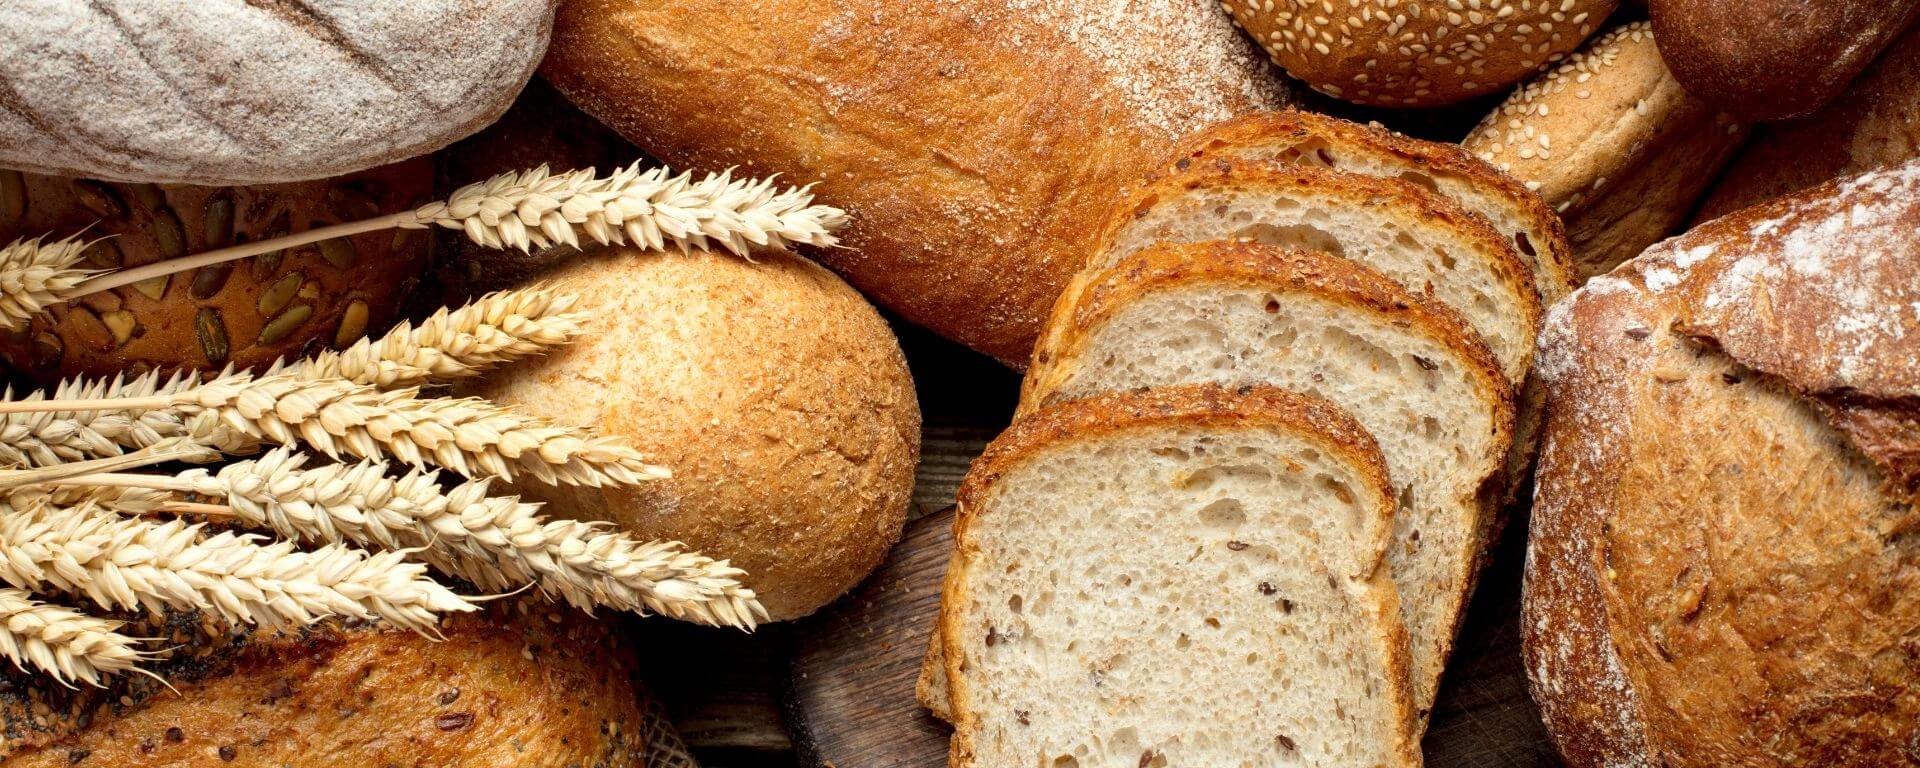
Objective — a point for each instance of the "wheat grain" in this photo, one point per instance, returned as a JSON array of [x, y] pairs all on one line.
[[68, 645], [35, 273], [132, 563], [454, 344], [649, 208], [44, 438]]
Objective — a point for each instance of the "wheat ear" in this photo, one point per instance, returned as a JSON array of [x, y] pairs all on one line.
[[648, 208], [68, 645], [455, 344], [35, 273], [44, 438], [128, 563]]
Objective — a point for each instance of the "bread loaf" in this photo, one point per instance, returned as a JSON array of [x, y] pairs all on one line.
[[250, 93], [972, 140], [1184, 576], [526, 683], [1771, 59], [777, 397], [1613, 143], [246, 313], [1392, 54], [1723, 553]]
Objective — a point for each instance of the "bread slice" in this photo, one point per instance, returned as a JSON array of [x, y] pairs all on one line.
[[1304, 138], [1428, 244], [1179, 577], [1247, 314]]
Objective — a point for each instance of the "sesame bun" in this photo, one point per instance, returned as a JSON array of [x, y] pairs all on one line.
[[1391, 53]]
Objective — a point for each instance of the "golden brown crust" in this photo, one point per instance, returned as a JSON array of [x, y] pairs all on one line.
[[1259, 134], [522, 683], [1774, 59], [971, 140]]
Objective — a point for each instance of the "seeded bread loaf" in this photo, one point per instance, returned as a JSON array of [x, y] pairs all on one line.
[[971, 140], [777, 397], [1723, 553], [1389, 53], [245, 313], [1772, 59], [254, 92], [1613, 143], [1184, 576]]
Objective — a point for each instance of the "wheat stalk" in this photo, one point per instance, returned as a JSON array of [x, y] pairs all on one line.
[[67, 645], [43, 438], [170, 449], [454, 344], [34, 273], [128, 563]]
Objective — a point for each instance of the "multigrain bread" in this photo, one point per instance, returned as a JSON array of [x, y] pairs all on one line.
[[1613, 143], [1418, 380], [1874, 124], [1773, 59], [1389, 53], [972, 140], [1183, 576], [1426, 243], [522, 683], [1294, 137], [777, 397], [223, 93], [1722, 564]]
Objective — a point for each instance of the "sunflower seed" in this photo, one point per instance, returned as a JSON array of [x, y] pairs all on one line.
[[208, 280], [212, 332]]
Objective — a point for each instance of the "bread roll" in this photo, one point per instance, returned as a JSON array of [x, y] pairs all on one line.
[[1610, 140], [1722, 563], [972, 140], [774, 393], [524, 683], [1389, 53], [245, 313], [254, 92], [1875, 124], [1771, 59]]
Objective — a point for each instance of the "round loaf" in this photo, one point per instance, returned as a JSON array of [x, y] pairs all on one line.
[[776, 395], [244, 313], [1774, 59], [1389, 53], [254, 92]]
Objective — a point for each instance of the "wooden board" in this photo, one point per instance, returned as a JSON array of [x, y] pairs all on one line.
[[850, 701]]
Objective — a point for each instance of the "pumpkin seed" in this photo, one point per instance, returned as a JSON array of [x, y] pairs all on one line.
[[169, 234], [212, 332], [353, 324], [264, 265], [100, 199], [122, 324], [153, 287], [104, 254], [277, 296], [338, 252], [208, 280], [149, 195], [352, 201], [13, 198], [47, 350], [216, 222], [285, 323]]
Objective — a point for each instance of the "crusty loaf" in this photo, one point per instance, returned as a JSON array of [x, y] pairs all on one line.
[[1425, 242], [1304, 138], [1721, 566], [1874, 124], [1184, 576], [1613, 143], [777, 397], [1418, 380], [254, 92], [522, 684], [1772, 59], [972, 140]]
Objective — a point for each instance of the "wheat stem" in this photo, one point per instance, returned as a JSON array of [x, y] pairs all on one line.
[[117, 278], [34, 274], [67, 645], [170, 449]]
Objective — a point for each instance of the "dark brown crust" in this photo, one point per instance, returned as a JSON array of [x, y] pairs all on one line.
[[1773, 59], [1279, 130]]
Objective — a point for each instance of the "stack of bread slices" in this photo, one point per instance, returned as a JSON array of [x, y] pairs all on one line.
[[1262, 446]]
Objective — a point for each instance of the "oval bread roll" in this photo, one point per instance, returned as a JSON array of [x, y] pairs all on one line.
[[1390, 53], [776, 395], [1774, 59]]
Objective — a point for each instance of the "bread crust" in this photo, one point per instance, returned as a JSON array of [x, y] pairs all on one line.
[[1196, 405], [1723, 395], [1774, 59], [971, 140], [1547, 248]]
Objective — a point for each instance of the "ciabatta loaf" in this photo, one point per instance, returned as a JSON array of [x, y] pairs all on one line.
[[1189, 576], [1418, 380]]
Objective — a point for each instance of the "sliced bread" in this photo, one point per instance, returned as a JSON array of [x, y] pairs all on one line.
[[1177, 577], [1248, 314], [1303, 138]]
